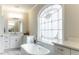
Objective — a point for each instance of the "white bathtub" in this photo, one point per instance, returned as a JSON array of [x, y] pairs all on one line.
[[35, 49]]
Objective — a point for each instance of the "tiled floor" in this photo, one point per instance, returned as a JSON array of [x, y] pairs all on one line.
[[23, 52], [12, 52]]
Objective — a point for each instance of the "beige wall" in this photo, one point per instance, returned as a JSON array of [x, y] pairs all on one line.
[[71, 18], [25, 23], [33, 14]]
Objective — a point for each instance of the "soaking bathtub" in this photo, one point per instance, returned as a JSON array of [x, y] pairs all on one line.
[[34, 49]]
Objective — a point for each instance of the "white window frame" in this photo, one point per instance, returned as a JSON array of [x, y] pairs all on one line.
[[39, 39]]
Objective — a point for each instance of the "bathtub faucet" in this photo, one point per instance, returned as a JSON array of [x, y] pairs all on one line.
[[35, 39]]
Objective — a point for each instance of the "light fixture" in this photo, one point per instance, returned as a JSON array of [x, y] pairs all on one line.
[[15, 15]]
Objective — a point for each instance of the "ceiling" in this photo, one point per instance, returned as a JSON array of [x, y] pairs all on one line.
[[24, 6]]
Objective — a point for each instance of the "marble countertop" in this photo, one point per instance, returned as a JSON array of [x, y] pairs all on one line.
[[69, 44]]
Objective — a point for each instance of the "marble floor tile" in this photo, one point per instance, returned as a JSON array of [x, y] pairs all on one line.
[[12, 52]]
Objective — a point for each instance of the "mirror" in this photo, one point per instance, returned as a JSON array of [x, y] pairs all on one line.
[[14, 25]]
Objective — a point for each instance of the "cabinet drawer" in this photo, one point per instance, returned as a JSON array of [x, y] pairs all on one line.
[[59, 50], [74, 52], [6, 42], [6, 46]]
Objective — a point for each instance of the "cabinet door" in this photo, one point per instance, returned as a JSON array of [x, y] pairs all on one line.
[[15, 42], [1, 45], [59, 50], [74, 52], [6, 43], [18, 42], [12, 42]]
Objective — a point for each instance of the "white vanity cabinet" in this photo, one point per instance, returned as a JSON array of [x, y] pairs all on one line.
[[74, 52], [15, 42], [11, 41], [6, 42], [60, 50], [1, 45]]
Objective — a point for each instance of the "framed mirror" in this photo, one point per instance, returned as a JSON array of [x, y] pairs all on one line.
[[15, 25]]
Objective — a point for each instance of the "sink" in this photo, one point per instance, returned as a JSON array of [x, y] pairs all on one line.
[[35, 49]]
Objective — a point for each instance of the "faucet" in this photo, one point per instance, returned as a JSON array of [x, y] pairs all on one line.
[[35, 39]]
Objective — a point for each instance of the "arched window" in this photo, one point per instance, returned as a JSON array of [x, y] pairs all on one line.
[[50, 23]]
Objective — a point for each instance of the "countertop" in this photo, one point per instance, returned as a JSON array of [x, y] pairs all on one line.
[[69, 44]]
